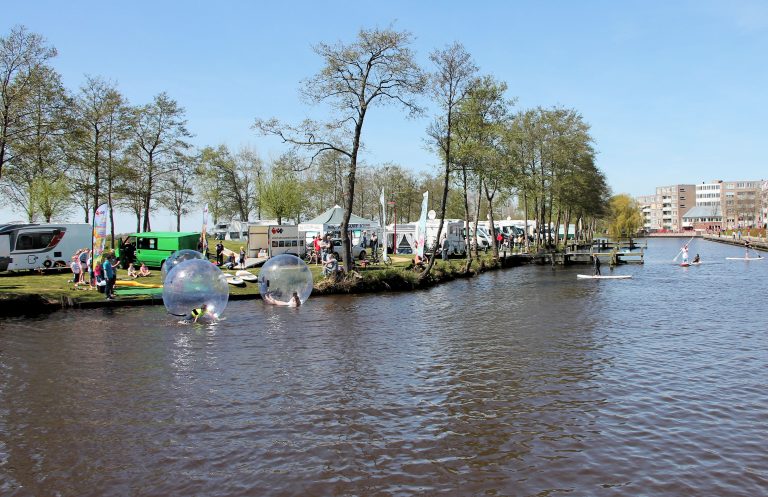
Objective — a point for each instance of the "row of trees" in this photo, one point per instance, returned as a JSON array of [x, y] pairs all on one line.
[[543, 157], [61, 150], [64, 151]]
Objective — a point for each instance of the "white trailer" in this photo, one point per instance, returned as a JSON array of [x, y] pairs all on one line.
[[275, 239], [41, 246]]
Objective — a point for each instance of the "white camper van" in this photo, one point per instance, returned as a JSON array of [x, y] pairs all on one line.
[[33, 246], [275, 239], [453, 228]]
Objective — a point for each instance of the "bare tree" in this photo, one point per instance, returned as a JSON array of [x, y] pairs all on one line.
[[176, 193], [40, 152], [454, 72], [378, 67], [159, 134], [21, 53], [99, 137]]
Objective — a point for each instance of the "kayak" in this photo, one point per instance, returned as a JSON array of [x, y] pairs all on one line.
[[745, 258], [600, 277]]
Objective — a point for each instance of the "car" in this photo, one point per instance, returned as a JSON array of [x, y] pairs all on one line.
[[358, 252]]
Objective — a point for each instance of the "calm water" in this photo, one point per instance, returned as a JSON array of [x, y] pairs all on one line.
[[519, 382]]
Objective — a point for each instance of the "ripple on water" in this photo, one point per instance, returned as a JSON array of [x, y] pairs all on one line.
[[519, 382]]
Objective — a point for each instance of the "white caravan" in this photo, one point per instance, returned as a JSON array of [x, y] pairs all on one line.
[[483, 239], [271, 240], [35, 246], [406, 236], [454, 229]]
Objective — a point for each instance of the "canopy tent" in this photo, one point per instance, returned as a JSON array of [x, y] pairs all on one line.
[[330, 221]]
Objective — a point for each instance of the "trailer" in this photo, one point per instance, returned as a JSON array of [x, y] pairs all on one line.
[[41, 246], [272, 240]]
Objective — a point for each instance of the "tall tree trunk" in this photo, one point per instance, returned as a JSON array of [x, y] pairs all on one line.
[[489, 196], [443, 202], [148, 196], [349, 195], [525, 235], [96, 172], [477, 216], [467, 234]]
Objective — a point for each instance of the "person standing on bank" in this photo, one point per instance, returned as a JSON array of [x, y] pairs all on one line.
[[444, 246], [110, 276]]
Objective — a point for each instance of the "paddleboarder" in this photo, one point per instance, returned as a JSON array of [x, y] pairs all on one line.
[[696, 259], [596, 270], [685, 254]]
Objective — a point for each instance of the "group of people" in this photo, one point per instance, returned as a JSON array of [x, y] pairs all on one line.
[[231, 262], [143, 271], [321, 252], [104, 271]]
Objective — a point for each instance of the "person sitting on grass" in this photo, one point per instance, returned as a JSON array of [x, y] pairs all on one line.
[[331, 265], [419, 261], [143, 270], [132, 271]]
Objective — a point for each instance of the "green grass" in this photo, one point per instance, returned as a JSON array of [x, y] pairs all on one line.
[[374, 278]]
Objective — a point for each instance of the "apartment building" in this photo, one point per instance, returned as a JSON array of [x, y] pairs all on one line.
[[741, 202], [708, 206], [674, 201], [651, 216]]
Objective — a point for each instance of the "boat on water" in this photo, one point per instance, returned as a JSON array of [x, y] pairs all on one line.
[[744, 258], [606, 277]]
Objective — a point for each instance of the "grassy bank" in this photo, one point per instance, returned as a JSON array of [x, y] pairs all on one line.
[[30, 293]]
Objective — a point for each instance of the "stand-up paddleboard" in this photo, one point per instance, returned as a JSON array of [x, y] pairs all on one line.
[[234, 280], [600, 277], [745, 258], [246, 276], [684, 264]]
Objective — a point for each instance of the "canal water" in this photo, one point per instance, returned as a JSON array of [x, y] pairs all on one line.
[[522, 382]]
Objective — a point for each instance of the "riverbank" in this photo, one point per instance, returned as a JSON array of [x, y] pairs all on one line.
[[756, 242], [32, 294]]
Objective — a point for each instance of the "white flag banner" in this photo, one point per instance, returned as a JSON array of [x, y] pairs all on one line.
[[383, 225], [421, 229]]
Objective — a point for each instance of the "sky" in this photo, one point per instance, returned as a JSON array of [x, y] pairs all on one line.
[[675, 92]]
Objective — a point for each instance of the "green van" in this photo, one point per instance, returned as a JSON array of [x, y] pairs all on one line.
[[153, 247]]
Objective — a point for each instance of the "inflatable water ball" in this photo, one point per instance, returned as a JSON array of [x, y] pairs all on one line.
[[283, 276], [193, 283], [177, 257]]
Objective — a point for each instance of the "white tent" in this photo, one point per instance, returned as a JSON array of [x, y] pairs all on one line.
[[330, 221]]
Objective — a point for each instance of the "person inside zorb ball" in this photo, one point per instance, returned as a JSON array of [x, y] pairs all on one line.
[[176, 258], [285, 280], [196, 289]]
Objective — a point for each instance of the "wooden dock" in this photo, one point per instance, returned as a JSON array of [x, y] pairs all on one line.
[[585, 258]]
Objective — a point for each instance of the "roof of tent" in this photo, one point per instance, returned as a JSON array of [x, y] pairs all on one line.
[[334, 216]]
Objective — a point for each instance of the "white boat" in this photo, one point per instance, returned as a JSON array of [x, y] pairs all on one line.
[[600, 277], [246, 276], [745, 258], [234, 280]]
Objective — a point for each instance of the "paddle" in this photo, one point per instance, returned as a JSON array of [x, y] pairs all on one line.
[[681, 249]]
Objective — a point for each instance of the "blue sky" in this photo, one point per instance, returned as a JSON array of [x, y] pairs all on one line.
[[675, 91]]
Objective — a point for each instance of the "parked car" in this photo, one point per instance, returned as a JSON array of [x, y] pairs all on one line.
[[358, 252]]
